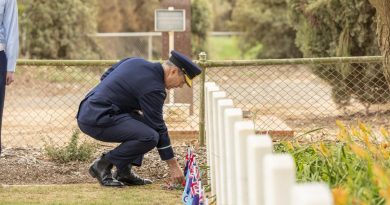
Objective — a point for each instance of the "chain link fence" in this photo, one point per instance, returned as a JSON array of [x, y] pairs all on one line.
[[41, 105], [306, 94]]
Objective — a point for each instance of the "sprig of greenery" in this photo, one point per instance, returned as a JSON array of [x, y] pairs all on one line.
[[72, 151]]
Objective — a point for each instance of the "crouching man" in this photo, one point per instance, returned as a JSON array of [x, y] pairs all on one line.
[[126, 107]]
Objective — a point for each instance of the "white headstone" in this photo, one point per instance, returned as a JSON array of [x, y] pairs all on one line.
[[222, 105], [258, 147], [312, 194], [279, 179], [210, 88], [242, 130], [214, 153], [232, 115]]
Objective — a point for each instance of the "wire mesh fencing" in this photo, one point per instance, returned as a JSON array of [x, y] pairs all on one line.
[[306, 94], [41, 105]]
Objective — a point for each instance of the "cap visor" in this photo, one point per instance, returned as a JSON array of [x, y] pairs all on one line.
[[188, 81]]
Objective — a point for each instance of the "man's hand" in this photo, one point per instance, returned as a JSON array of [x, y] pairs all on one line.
[[9, 78], [176, 173]]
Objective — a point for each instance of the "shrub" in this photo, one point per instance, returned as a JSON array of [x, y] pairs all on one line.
[[72, 151], [341, 28], [357, 166], [200, 25]]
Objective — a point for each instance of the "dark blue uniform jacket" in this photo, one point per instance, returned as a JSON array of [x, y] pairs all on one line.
[[132, 84]]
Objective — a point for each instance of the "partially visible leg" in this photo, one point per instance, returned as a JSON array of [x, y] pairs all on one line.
[[101, 170], [140, 140], [3, 74], [129, 177], [136, 139]]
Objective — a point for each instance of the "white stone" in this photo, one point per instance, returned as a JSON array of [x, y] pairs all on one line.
[[242, 130], [215, 96], [279, 179], [209, 88], [258, 147], [222, 105], [312, 194], [232, 115]]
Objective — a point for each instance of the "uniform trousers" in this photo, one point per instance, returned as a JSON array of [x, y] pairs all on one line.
[[3, 79], [135, 136]]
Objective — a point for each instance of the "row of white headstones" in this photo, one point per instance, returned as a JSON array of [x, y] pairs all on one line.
[[243, 168]]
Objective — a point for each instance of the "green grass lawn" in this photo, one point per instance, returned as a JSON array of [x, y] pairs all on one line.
[[227, 48], [88, 194], [223, 48]]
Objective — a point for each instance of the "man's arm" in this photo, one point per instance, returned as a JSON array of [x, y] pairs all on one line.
[[11, 34], [10, 23], [176, 172], [152, 108]]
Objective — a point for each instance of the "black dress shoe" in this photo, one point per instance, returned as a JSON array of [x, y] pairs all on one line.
[[128, 177], [101, 170]]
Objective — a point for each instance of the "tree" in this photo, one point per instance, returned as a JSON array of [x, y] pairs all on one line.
[[200, 25], [126, 15], [109, 16], [341, 28], [383, 31], [222, 11], [138, 15], [23, 29], [333, 28], [266, 23], [60, 29]]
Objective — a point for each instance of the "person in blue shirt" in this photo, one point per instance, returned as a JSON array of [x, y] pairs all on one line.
[[9, 38], [127, 107], [9, 47]]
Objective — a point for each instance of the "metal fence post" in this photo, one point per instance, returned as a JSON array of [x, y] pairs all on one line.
[[202, 62]]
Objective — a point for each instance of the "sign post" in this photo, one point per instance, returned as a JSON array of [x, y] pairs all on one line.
[[170, 20]]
